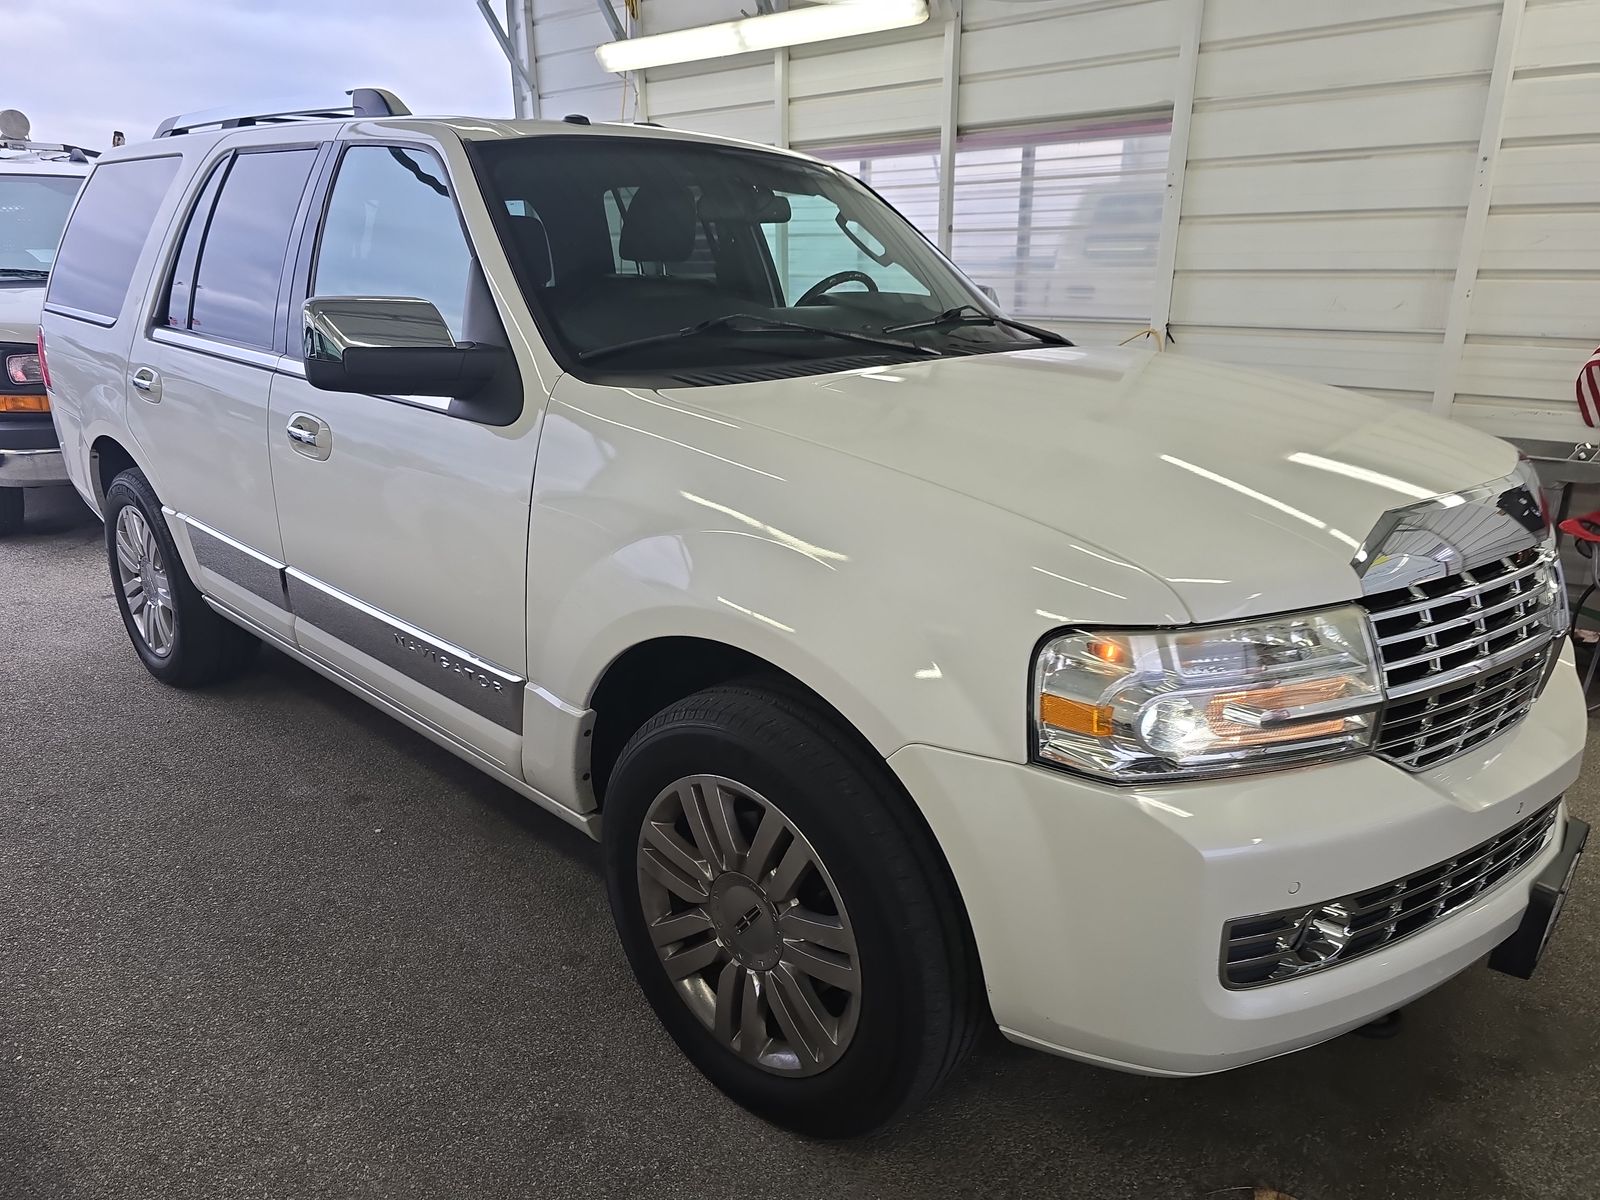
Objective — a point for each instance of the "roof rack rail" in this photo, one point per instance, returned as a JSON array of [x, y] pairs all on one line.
[[364, 102], [72, 153]]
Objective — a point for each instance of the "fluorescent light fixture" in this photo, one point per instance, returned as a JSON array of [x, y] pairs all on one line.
[[769, 31]]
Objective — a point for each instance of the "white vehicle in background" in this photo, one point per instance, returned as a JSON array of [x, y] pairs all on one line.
[[38, 183], [915, 667]]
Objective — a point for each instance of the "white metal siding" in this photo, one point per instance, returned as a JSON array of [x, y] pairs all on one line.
[[1330, 161], [564, 35], [1332, 155], [1044, 61], [1535, 313]]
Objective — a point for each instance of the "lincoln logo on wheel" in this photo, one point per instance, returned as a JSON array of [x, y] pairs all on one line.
[[748, 919]]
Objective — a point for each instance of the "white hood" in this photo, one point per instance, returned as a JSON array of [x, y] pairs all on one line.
[[1245, 493], [19, 312]]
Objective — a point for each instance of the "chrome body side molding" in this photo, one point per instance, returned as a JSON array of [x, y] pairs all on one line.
[[456, 674], [237, 563]]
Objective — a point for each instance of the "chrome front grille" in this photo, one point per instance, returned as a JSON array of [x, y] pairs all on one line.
[[1285, 945], [1463, 656]]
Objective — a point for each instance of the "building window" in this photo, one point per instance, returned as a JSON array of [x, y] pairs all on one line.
[[1063, 222], [906, 174]]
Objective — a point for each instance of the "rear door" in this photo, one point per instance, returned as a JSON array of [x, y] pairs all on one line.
[[200, 372], [405, 523], [104, 249]]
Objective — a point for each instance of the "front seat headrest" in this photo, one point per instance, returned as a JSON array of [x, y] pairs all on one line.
[[659, 225]]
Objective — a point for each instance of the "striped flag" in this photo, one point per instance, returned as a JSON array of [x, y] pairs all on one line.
[[1589, 390]]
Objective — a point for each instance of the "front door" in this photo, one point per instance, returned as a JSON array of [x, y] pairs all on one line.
[[405, 527]]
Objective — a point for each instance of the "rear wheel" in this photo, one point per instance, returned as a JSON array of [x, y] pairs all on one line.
[[178, 636], [785, 913], [11, 506]]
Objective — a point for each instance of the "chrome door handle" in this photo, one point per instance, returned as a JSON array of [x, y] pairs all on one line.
[[310, 435], [145, 380]]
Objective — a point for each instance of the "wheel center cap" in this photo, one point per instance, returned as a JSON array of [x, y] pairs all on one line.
[[745, 922]]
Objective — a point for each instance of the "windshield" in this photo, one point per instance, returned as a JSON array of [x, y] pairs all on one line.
[[33, 211], [620, 243]]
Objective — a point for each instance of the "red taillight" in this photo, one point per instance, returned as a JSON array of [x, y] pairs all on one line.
[[44, 364]]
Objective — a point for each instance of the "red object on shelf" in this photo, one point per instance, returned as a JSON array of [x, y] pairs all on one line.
[[1586, 528], [1589, 390]]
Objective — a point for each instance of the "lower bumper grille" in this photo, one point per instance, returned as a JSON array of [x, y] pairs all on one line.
[[1289, 944]]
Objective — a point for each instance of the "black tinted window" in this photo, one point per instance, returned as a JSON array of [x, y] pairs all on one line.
[[180, 293], [241, 259], [392, 230], [108, 229]]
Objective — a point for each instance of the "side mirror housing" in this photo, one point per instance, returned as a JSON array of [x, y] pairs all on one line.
[[390, 346]]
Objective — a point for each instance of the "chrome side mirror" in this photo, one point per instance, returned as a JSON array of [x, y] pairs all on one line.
[[335, 323], [389, 346]]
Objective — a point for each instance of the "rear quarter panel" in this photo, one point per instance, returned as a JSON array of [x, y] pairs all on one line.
[[89, 359]]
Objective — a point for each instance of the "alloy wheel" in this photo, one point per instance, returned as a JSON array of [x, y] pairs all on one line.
[[749, 926], [142, 576]]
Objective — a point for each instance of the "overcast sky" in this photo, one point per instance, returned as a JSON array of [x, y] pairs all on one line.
[[81, 68]]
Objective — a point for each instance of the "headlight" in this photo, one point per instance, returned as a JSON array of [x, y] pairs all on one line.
[[1132, 705]]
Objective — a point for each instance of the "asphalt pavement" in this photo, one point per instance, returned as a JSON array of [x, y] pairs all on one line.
[[262, 941]]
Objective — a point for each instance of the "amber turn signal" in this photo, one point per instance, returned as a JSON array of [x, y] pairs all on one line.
[[1074, 716], [24, 404]]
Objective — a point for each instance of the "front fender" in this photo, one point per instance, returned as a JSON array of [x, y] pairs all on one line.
[[914, 610]]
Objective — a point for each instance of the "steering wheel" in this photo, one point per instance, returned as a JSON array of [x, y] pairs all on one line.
[[816, 290]]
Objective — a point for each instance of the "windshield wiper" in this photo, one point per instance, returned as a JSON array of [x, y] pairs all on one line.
[[24, 273], [971, 314], [752, 323]]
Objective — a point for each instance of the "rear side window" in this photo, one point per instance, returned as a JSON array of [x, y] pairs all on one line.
[[238, 248], [392, 230], [180, 293], [108, 230]]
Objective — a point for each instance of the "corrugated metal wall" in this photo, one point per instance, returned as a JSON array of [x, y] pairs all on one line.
[[1331, 160], [1535, 313]]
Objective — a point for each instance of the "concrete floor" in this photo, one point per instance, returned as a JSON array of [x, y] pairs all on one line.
[[262, 941]]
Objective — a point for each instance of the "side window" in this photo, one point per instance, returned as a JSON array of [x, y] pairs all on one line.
[[101, 246], [175, 310], [392, 229], [235, 293]]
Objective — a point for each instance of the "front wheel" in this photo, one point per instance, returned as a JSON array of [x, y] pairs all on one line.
[[785, 912]]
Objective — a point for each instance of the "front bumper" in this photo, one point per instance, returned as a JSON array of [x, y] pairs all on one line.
[[32, 468], [1098, 911]]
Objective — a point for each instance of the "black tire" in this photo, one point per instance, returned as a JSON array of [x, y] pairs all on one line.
[[206, 647], [11, 505], [921, 997]]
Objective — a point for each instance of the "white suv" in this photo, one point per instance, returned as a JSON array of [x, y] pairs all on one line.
[[915, 667], [37, 185]]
